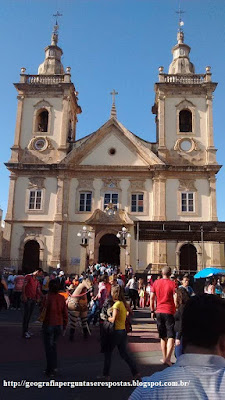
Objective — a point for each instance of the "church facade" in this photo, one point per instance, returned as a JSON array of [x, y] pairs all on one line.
[[75, 202]]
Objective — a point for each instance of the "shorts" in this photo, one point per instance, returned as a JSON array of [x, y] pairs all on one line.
[[165, 325]]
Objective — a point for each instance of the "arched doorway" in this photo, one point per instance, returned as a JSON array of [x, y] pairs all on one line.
[[188, 257], [109, 249], [31, 256]]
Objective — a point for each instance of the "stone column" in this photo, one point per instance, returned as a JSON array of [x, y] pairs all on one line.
[[15, 148], [212, 191], [83, 258], [177, 260], [123, 258], [64, 126]]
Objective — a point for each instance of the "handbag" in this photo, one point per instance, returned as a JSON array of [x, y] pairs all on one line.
[[108, 327]]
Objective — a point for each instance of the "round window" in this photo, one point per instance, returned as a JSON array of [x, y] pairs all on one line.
[[40, 144], [112, 151], [186, 145]]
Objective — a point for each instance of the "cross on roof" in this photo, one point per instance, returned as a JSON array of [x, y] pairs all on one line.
[[180, 12], [56, 17], [114, 93]]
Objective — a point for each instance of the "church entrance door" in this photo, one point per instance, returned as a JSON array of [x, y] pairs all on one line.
[[109, 249], [188, 257], [31, 256]]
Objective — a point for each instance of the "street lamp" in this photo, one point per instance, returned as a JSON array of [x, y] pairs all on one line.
[[85, 234], [123, 235]]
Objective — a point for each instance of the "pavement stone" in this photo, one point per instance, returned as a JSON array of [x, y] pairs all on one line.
[[81, 360]]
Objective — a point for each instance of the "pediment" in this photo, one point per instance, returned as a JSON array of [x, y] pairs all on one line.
[[42, 104], [185, 104], [112, 145], [99, 217]]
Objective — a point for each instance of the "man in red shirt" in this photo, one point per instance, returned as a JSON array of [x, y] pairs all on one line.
[[31, 293], [163, 290]]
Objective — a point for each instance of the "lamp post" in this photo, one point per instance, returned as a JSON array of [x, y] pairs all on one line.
[[85, 235], [123, 235]]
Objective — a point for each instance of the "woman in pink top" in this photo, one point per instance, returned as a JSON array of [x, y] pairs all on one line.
[[18, 282]]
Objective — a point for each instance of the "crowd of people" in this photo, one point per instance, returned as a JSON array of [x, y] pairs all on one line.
[[103, 296]]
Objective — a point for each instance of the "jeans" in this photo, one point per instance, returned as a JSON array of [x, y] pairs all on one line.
[[50, 336], [17, 299], [94, 312], [119, 340], [133, 294], [28, 309]]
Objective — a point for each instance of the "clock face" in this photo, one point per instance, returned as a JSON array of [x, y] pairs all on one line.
[[40, 144], [186, 145]]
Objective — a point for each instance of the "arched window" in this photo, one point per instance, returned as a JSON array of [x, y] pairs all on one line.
[[42, 121], [185, 121]]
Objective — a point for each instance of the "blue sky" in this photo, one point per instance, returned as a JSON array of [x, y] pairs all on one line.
[[111, 44]]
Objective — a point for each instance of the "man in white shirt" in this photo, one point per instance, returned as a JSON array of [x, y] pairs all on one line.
[[199, 373]]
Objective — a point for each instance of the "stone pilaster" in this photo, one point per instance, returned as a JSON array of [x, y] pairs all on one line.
[[159, 193], [159, 256], [161, 124], [212, 190], [216, 252], [15, 148], [210, 121], [64, 126], [59, 253], [7, 234], [11, 200], [210, 150]]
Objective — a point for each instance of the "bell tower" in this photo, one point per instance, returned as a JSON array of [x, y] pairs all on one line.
[[183, 108], [47, 110]]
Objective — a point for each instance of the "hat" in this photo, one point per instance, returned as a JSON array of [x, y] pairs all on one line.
[[61, 273], [54, 273]]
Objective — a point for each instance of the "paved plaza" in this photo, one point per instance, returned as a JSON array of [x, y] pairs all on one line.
[[24, 360]]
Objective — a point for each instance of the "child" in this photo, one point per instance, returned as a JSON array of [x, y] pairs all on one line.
[[142, 297]]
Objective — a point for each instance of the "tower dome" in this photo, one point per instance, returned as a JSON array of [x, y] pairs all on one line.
[[52, 64]]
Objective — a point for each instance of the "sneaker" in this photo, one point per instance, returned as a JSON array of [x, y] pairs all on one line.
[[27, 335], [30, 333]]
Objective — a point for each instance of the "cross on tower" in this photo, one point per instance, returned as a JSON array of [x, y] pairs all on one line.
[[56, 17], [114, 93], [180, 12]]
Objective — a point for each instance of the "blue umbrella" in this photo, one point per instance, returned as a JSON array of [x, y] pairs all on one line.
[[210, 271]]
